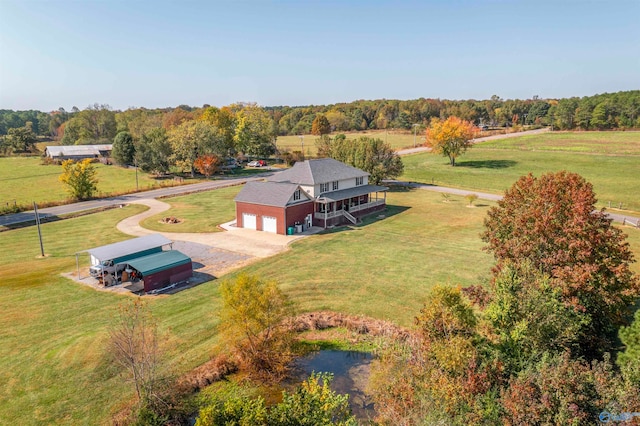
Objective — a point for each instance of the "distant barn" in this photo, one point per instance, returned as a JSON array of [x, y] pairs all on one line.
[[78, 152]]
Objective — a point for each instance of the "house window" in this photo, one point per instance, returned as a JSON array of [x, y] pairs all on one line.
[[360, 180], [296, 195], [324, 187], [335, 185]]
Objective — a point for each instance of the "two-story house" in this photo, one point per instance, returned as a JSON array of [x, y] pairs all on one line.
[[323, 192]]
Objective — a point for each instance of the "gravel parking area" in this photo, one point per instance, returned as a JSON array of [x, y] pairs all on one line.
[[210, 260]]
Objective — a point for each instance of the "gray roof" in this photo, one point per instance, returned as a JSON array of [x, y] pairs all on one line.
[[313, 172], [275, 194], [343, 194], [77, 150], [124, 248]]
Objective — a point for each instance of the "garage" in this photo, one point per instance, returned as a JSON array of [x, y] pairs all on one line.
[[270, 224], [249, 221]]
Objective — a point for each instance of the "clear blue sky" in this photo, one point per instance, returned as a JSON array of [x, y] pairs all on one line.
[[157, 54]]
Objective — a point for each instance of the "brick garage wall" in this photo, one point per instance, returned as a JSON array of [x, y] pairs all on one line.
[[298, 212], [260, 210]]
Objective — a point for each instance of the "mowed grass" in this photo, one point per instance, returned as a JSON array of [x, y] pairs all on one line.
[[200, 212], [385, 267], [486, 168], [614, 143], [54, 330], [53, 333], [395, 138], [25, 180]]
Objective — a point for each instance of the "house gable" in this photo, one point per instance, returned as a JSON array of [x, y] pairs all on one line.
[[272, 194], [322, 175]]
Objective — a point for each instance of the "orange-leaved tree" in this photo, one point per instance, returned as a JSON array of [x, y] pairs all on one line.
[[320, 125], [451, 137], [552, 222], [207, 164]]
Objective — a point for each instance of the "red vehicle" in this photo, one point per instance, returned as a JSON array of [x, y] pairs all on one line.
[[257, 163]]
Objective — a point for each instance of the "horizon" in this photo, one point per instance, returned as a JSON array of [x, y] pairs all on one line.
[[171, 107], [165, 54]]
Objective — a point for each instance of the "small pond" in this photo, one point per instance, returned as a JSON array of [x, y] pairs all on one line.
[[350, 371]]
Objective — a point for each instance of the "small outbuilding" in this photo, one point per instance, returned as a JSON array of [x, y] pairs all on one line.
[[78, 152], [161, 269], [128, 249], [105, 258]]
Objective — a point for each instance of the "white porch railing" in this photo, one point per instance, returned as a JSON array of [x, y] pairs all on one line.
[[366, 205], [331, 215], [349, 216]]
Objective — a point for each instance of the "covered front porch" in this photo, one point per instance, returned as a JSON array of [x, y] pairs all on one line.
[[348, 205]]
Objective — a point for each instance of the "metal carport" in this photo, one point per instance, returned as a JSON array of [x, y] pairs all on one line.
[[162, 269]]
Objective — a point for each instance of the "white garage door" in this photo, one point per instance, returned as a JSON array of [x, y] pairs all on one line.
[[270, 224], [249, 221]]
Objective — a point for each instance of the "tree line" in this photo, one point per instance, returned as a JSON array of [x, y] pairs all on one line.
[[618, 110]]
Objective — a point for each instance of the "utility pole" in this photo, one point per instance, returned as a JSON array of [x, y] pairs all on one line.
[[135, 163], [302, 144], [415, 127], [35, 209]]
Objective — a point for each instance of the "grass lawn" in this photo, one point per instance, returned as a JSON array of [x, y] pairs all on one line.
[[200, 212], [616, 143], [384, 268], [53, 330], [494, 166], [25, 179]]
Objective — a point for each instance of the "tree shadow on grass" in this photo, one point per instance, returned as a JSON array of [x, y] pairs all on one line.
[[487, 164], [391, 210]]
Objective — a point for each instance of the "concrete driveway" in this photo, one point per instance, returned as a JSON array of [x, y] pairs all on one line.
[[246, 242]]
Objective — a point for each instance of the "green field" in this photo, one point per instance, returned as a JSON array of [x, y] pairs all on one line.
[[613, 143], [25, 180], [200, 212], [396, 138], [53, 329], [494, 166]]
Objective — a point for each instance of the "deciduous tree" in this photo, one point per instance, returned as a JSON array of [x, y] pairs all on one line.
[[254, 132], [123, 149], [253, 322], [80, 178], [629, 359], [192, 139], [529, 317], [451, 137], [207, 164], [320, 125], [369, 154], [20, 139], [154, 152], [134, 345], [552, 222]]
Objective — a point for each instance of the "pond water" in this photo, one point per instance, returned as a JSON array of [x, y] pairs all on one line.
[[350, 371]]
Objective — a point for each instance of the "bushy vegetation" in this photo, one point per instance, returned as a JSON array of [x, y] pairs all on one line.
[[313, 403], [537, 348], [253, 320], [80, 178]]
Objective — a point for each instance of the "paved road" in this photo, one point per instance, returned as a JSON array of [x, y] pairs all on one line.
[[488, 138], [494, 197], [27, 216]]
